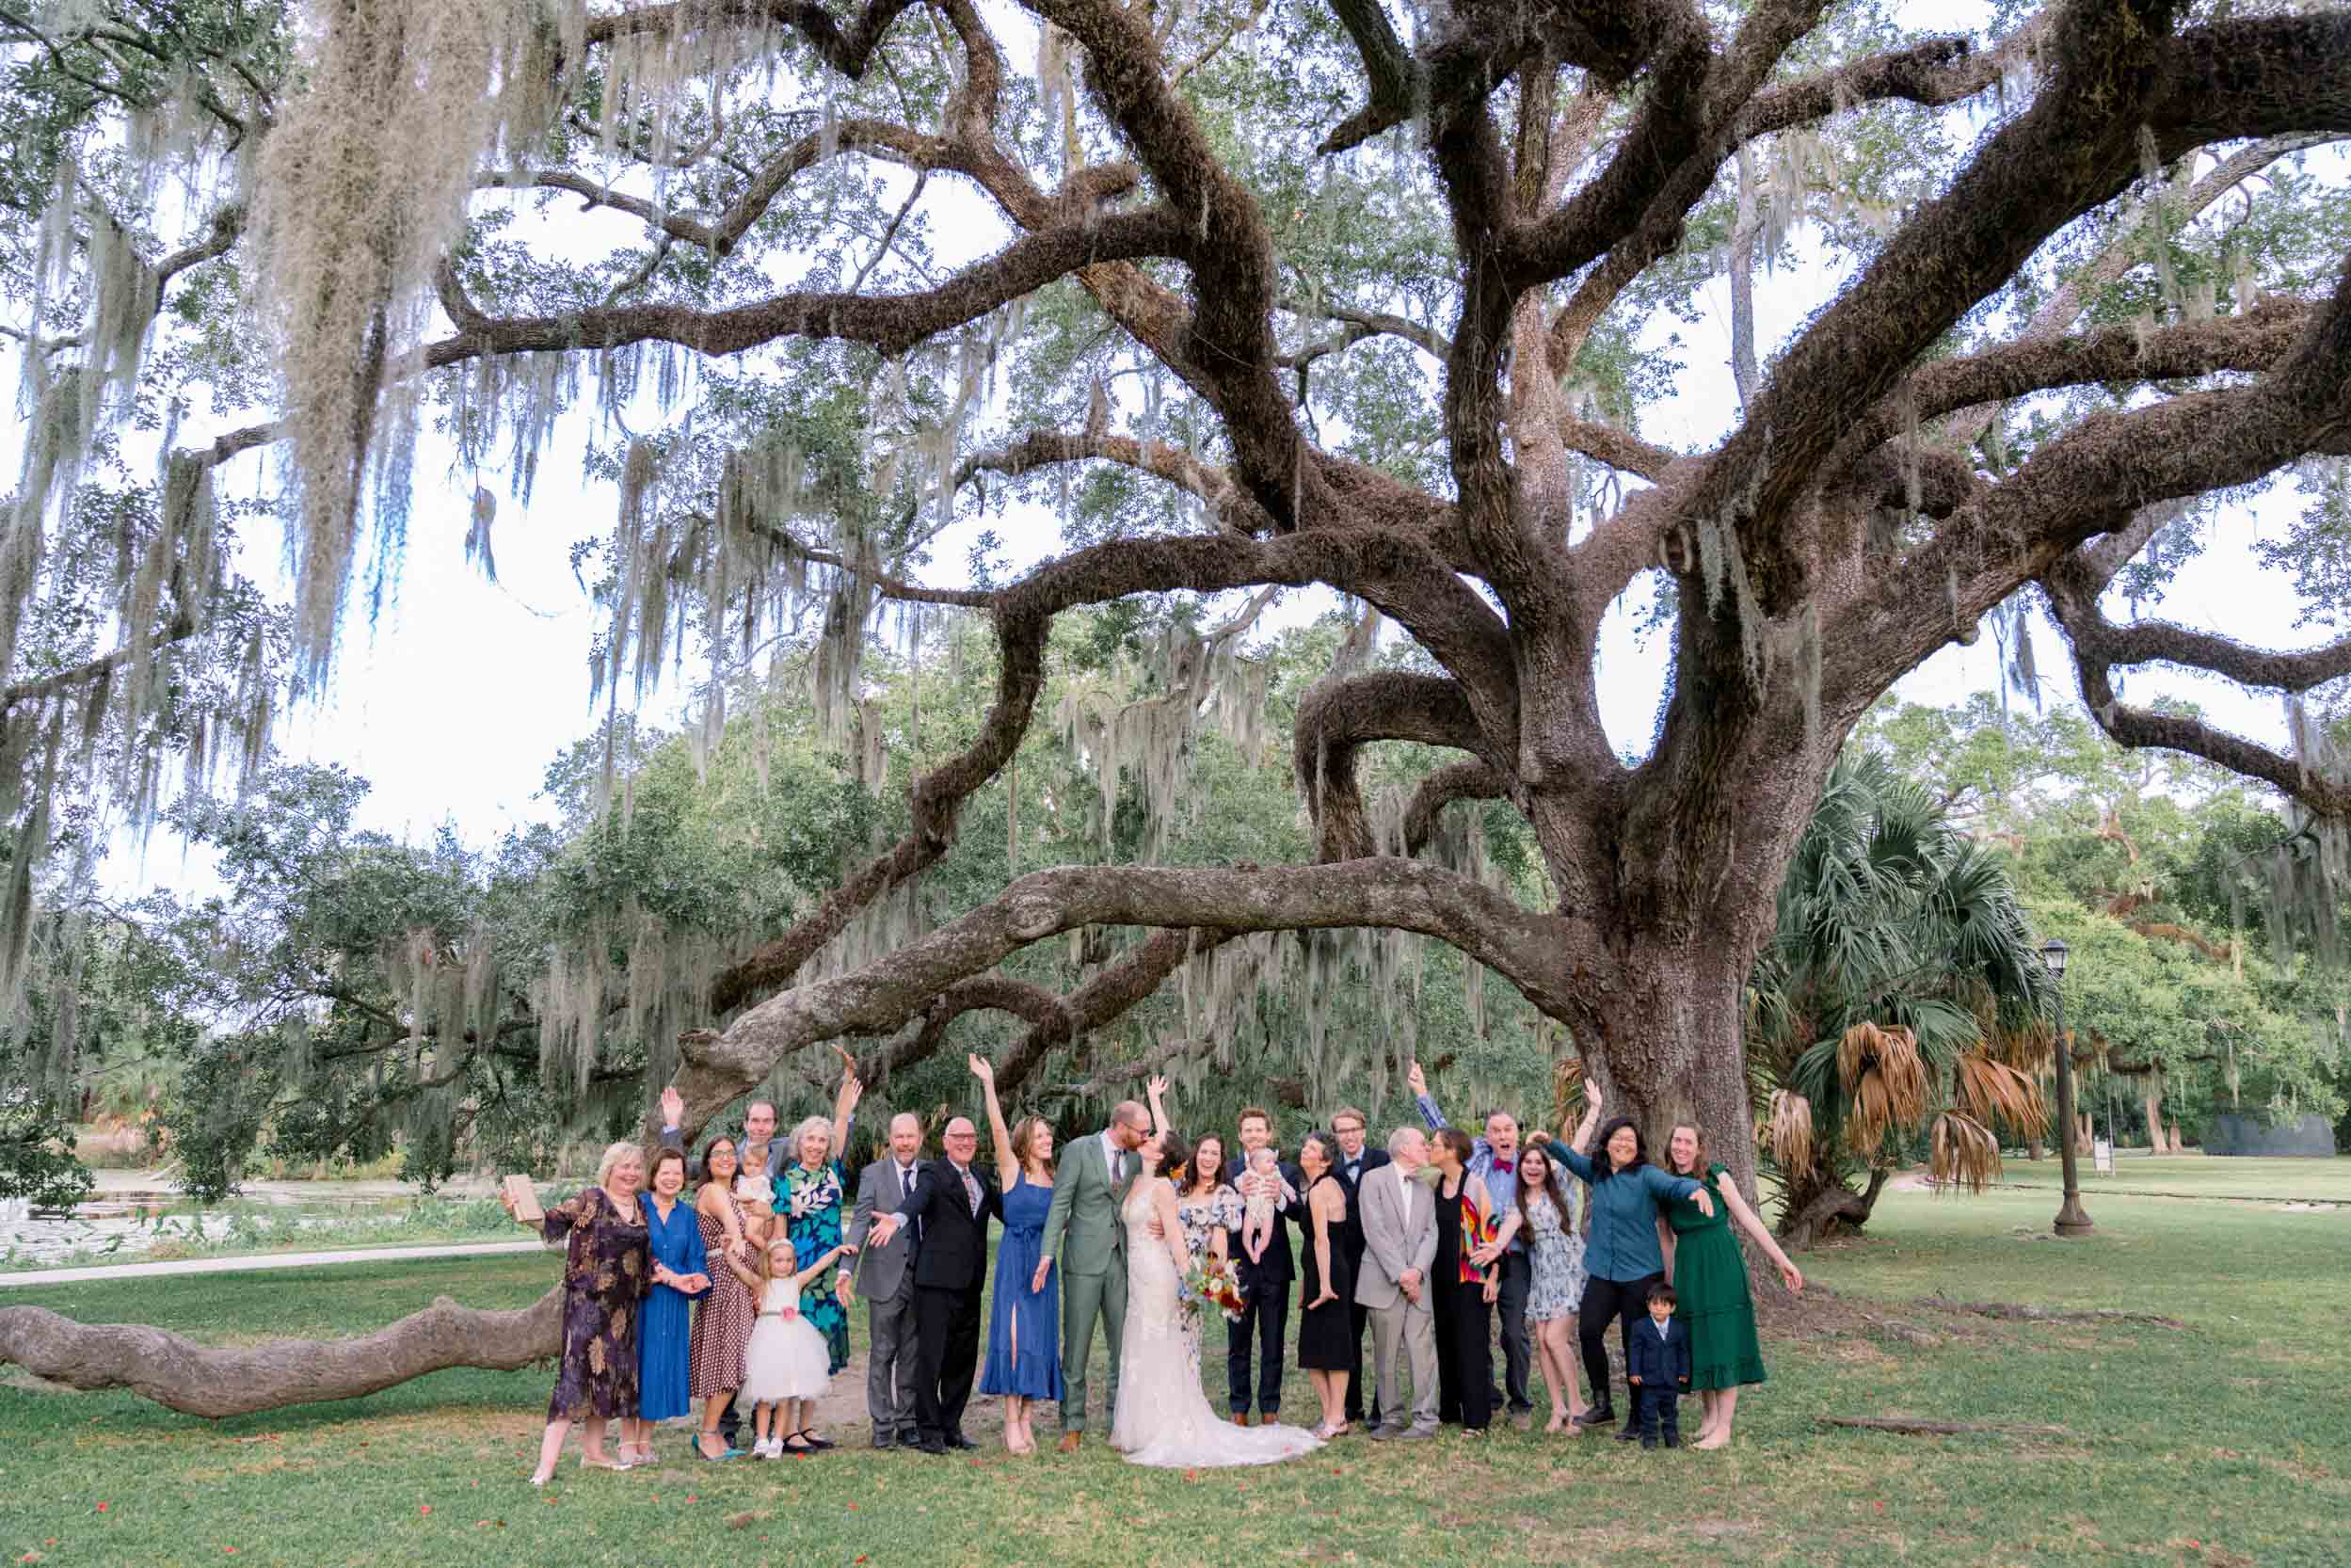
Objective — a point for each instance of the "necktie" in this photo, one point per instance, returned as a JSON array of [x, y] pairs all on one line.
[[971, 1190], [1118, 1166], [906, 1184]]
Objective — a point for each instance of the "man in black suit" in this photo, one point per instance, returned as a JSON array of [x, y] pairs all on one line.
[[953, 1203], [1355, 1159], [1263, 1322]]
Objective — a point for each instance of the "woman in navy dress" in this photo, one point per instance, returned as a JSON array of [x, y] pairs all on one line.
[[1024, 1362], [679, 1261]]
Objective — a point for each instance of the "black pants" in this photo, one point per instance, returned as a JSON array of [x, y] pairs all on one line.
[[1509, 1309], [1626, 1302], [1661, 1414], [1464, 1321], [1359, 1317], [1265, 1321], [946, 1356]]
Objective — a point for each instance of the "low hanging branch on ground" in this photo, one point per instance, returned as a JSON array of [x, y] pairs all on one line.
[[2014, 1312], [1904, 1426], [218, 1380]]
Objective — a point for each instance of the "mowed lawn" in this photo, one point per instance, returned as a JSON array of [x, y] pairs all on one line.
[[2226, 1443]]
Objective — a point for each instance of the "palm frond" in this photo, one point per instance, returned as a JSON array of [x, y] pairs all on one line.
[[1963, 1154], [1787, 1131]]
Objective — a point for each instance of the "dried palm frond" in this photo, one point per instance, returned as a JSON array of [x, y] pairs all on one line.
[[1567, 1095], [1995, 1093], [1964, 1154], [2026, 1047], [1787, 1131], [1887, 1078]]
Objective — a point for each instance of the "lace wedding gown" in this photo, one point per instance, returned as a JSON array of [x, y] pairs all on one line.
[[1162, 1416]]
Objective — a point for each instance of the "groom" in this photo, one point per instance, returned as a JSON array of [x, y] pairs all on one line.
[[1084, 1230]]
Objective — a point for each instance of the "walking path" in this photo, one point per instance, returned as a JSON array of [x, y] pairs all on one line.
[[260, 1260]]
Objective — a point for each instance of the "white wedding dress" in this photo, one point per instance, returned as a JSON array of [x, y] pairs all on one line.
[[1162, 1417]]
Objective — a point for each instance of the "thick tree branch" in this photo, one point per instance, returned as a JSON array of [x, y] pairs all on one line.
[[1337, 717], [1468, 779], [1526, 948], [1046, 448]]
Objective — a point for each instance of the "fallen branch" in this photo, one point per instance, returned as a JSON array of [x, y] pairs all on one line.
[[1939, 1428], [216, 1381], [2014, 1313]]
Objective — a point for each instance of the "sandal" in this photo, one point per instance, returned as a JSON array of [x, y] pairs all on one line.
[[695, 1444]]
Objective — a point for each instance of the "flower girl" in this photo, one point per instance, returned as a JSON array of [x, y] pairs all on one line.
[[787, 1365]]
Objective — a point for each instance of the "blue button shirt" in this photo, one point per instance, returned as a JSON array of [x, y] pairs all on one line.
[[1622, 1246]]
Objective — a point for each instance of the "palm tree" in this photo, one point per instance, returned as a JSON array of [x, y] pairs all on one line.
[[1899, 992]]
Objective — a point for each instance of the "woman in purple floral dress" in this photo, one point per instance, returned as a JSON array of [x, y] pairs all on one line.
[[605, 1275]]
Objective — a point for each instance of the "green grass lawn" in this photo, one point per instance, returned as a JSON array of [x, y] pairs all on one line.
[[2195, 1175], [2228, 1443]]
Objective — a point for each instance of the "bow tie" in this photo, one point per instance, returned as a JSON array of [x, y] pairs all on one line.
[[1504, 1167]]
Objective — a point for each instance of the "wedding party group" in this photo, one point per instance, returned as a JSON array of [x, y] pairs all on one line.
[[735, 1299]]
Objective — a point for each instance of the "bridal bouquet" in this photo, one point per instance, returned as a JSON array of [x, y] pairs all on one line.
[[1211, 1282]]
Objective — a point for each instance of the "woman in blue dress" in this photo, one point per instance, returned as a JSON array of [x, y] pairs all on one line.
[[810, 1200], [679, 1265], [1024, 1362]]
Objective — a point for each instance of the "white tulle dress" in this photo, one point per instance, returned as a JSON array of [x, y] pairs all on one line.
[[1162, 1417], [787, 1358]]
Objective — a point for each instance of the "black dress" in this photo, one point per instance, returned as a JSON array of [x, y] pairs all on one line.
[[1463, 1319], [1326, 1334]]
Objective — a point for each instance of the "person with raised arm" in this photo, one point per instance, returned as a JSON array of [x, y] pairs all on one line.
[[1494, 1162], [1623, 1255], [953, 1202], [606, 1273], [1024, 1361]]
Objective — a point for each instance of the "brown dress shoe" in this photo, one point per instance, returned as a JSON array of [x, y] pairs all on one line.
[[1241, 1419], [1069, 1442]]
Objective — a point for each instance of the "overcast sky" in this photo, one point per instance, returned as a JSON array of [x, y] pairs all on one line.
[[452, 703]]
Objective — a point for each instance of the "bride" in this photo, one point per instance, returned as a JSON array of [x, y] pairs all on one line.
[[1162, 1416]]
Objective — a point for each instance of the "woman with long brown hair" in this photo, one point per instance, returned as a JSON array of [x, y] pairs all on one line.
[[1024, 1359], [1710, 1277], [722, 1329]]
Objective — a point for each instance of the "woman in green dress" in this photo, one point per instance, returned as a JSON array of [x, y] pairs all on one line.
[[1710, 1277]]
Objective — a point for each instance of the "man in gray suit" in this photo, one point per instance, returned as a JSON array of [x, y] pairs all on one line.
[[1399, 1230], [1084, 1232], [884, 1275]]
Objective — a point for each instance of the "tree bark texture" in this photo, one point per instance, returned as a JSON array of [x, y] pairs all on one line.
[[216, 1381]]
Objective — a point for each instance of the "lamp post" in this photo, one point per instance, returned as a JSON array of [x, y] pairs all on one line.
[[2072, 1221]]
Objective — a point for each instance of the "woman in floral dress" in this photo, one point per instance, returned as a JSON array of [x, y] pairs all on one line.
[[605, 1275], [1206, 1205], [1545, 1210], [810, 1203]]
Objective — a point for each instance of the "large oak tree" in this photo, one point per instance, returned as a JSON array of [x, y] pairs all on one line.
[[1370, 310]]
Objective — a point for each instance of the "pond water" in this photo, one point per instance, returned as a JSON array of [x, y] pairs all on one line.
[[121, 1223]]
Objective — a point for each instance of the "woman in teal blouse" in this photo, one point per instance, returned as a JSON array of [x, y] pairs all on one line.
[[1624, 1256]]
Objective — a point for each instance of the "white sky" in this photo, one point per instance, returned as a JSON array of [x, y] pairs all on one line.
[[463, 692]]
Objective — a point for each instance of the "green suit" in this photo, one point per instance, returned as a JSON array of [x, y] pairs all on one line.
[[1086, 1239]]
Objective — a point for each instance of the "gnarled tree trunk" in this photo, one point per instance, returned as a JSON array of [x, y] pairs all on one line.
[[216, 1381]]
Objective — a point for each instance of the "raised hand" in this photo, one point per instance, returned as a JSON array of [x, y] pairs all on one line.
[[852, 1088], [1158, 1086], [1415, 1079], [673, 1107], [1593, 1097], [982, 1070]]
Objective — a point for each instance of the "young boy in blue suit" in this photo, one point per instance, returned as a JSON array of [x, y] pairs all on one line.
[[1659, 1370]]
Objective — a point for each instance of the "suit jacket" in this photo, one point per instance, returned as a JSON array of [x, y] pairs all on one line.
[[1661, 1361], [880, 1271], [954, 1252], [1083, 1233], [1279, 1262], [1400, 1233], [1352, 1238]]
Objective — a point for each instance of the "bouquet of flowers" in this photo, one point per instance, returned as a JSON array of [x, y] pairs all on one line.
[[1210, 1283]]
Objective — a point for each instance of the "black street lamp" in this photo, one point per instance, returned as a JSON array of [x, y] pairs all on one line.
[[2072, 1221]]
